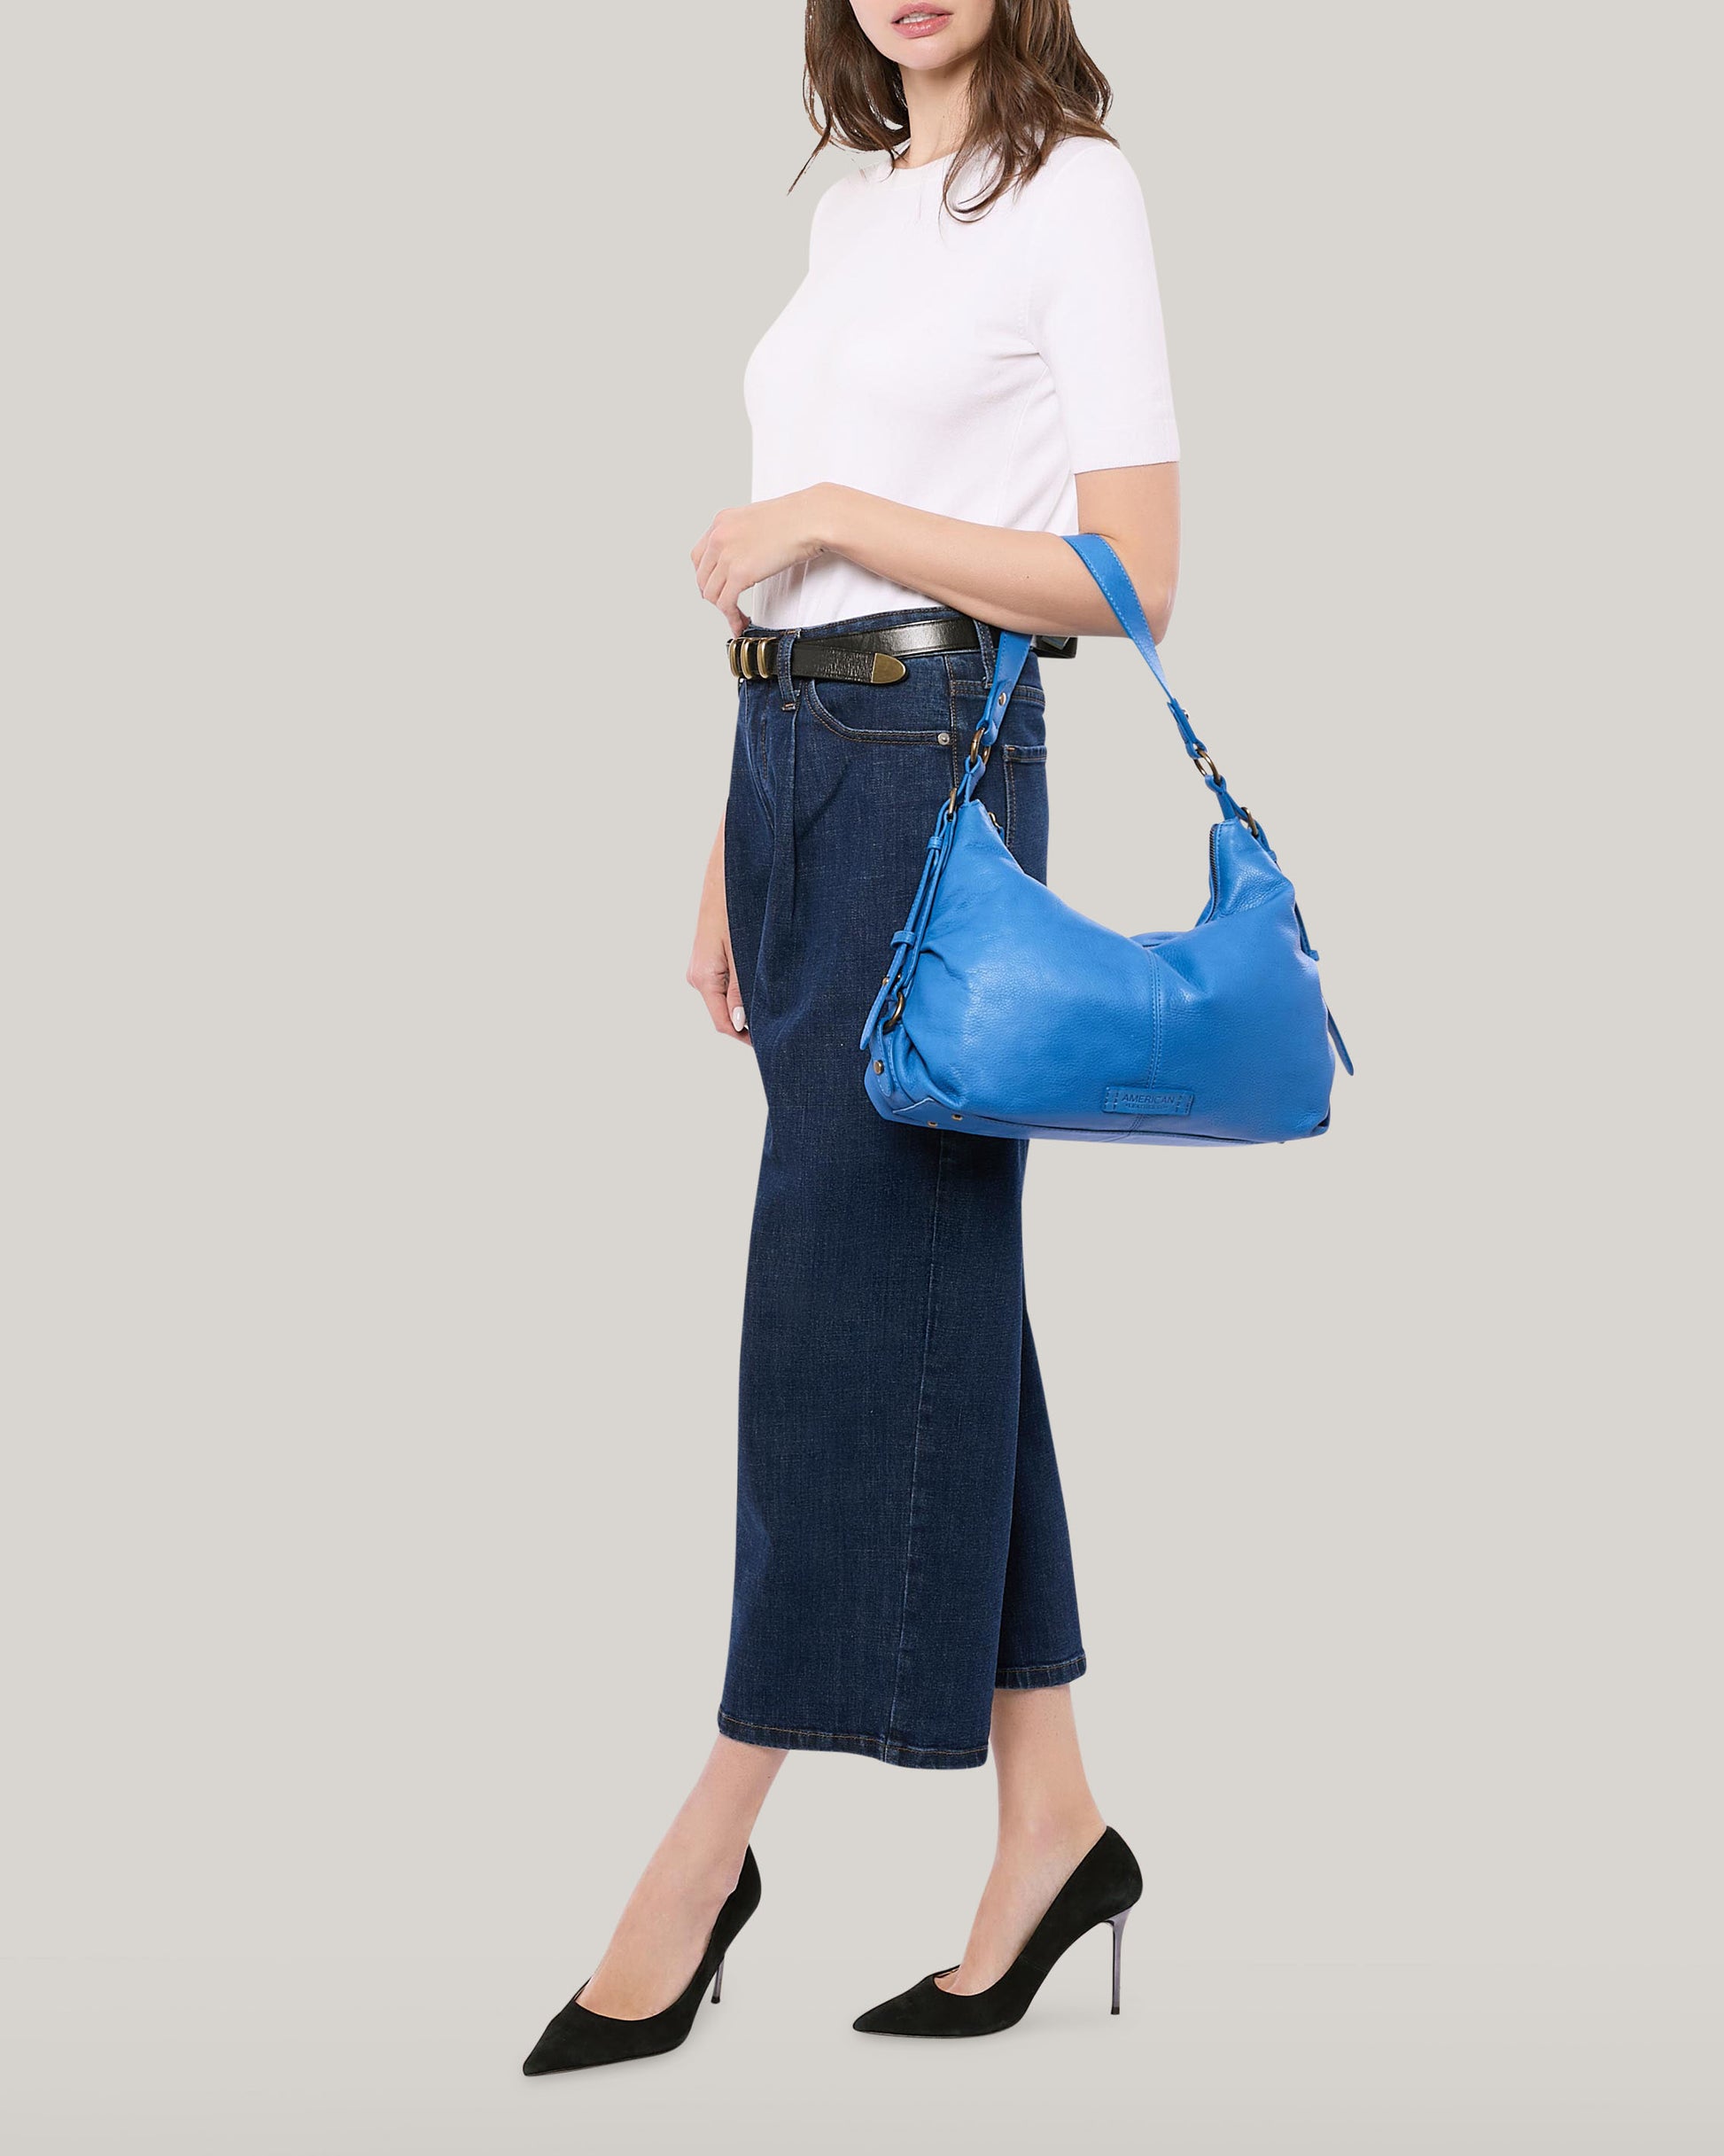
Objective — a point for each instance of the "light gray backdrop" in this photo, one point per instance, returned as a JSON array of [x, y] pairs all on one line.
[[375, 1196]]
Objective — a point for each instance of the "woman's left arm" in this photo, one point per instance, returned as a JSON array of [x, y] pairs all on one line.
[[1026, 581]]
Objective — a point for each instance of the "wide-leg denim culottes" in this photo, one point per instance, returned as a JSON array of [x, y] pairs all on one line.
[[901, 1541]]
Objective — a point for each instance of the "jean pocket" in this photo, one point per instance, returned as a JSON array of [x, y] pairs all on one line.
[[915, 713], [1024, 778], [970, 673]]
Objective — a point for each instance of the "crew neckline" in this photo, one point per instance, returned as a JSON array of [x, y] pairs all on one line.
[[915, 172]]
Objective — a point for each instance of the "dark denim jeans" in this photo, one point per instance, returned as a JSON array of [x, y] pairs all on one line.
[[901, 1545]]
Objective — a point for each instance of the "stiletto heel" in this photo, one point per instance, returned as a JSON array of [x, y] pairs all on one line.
[[1118, 1923], [1104, 1889], [579, 2037]]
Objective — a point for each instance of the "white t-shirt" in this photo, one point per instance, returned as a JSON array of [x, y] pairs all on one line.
[[970, 369]]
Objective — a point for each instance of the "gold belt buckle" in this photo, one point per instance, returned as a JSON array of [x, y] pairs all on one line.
[[748, 655]]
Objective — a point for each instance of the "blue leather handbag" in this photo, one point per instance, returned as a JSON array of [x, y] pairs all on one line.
[[1007, 1014]]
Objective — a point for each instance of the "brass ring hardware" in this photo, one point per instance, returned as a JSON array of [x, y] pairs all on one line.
[[897, 1013], [1206, 764], [751, 657], [1250, 823]]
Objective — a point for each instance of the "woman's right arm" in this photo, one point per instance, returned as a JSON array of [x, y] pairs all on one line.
[[711, 967]]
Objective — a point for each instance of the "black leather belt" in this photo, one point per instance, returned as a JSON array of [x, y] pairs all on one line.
[[870, 658]]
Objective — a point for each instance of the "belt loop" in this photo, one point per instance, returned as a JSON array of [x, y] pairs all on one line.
[[786, 688], [986, 636]]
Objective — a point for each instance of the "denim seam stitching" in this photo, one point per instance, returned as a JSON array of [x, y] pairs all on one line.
[[756, 754], [840, 1736], [1037, 1668], [921, 1401], [885, 737], [1022, 694]]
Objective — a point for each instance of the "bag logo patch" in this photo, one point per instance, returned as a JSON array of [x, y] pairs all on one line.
[[1134, 1101]]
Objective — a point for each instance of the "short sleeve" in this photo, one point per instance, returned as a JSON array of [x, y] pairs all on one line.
[[1095, 309], [828, 215]]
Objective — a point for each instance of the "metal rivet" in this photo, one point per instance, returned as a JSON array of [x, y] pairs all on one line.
[[933, 1127], [956, 1116], [879, 1066], [1001, 697], [945, 741]]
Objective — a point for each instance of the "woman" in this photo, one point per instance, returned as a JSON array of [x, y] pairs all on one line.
[[973, 365]]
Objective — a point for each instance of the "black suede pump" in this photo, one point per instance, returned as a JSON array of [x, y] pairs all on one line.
[[578, 2037], [1104, 1889]]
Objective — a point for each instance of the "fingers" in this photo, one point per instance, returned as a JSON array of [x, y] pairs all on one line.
[[739, 1017], [711, 963], [723, 588], [715, 983], [707, 557], [720, 587], [720, 575], [723, 582], [728, 1018]]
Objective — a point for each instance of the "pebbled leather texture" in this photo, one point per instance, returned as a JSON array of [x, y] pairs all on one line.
[[850, 657], [1007, 1014]]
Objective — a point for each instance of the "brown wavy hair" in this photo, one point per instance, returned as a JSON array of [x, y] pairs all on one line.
[[1033, 85]]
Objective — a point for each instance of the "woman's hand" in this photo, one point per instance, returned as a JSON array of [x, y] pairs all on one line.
[[712, 968], [742, 546], [1026, 580]]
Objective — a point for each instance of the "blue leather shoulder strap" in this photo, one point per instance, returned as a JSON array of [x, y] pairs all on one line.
[[1009, 656], [1011, 651], [1105, 566], [1098, 557]]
